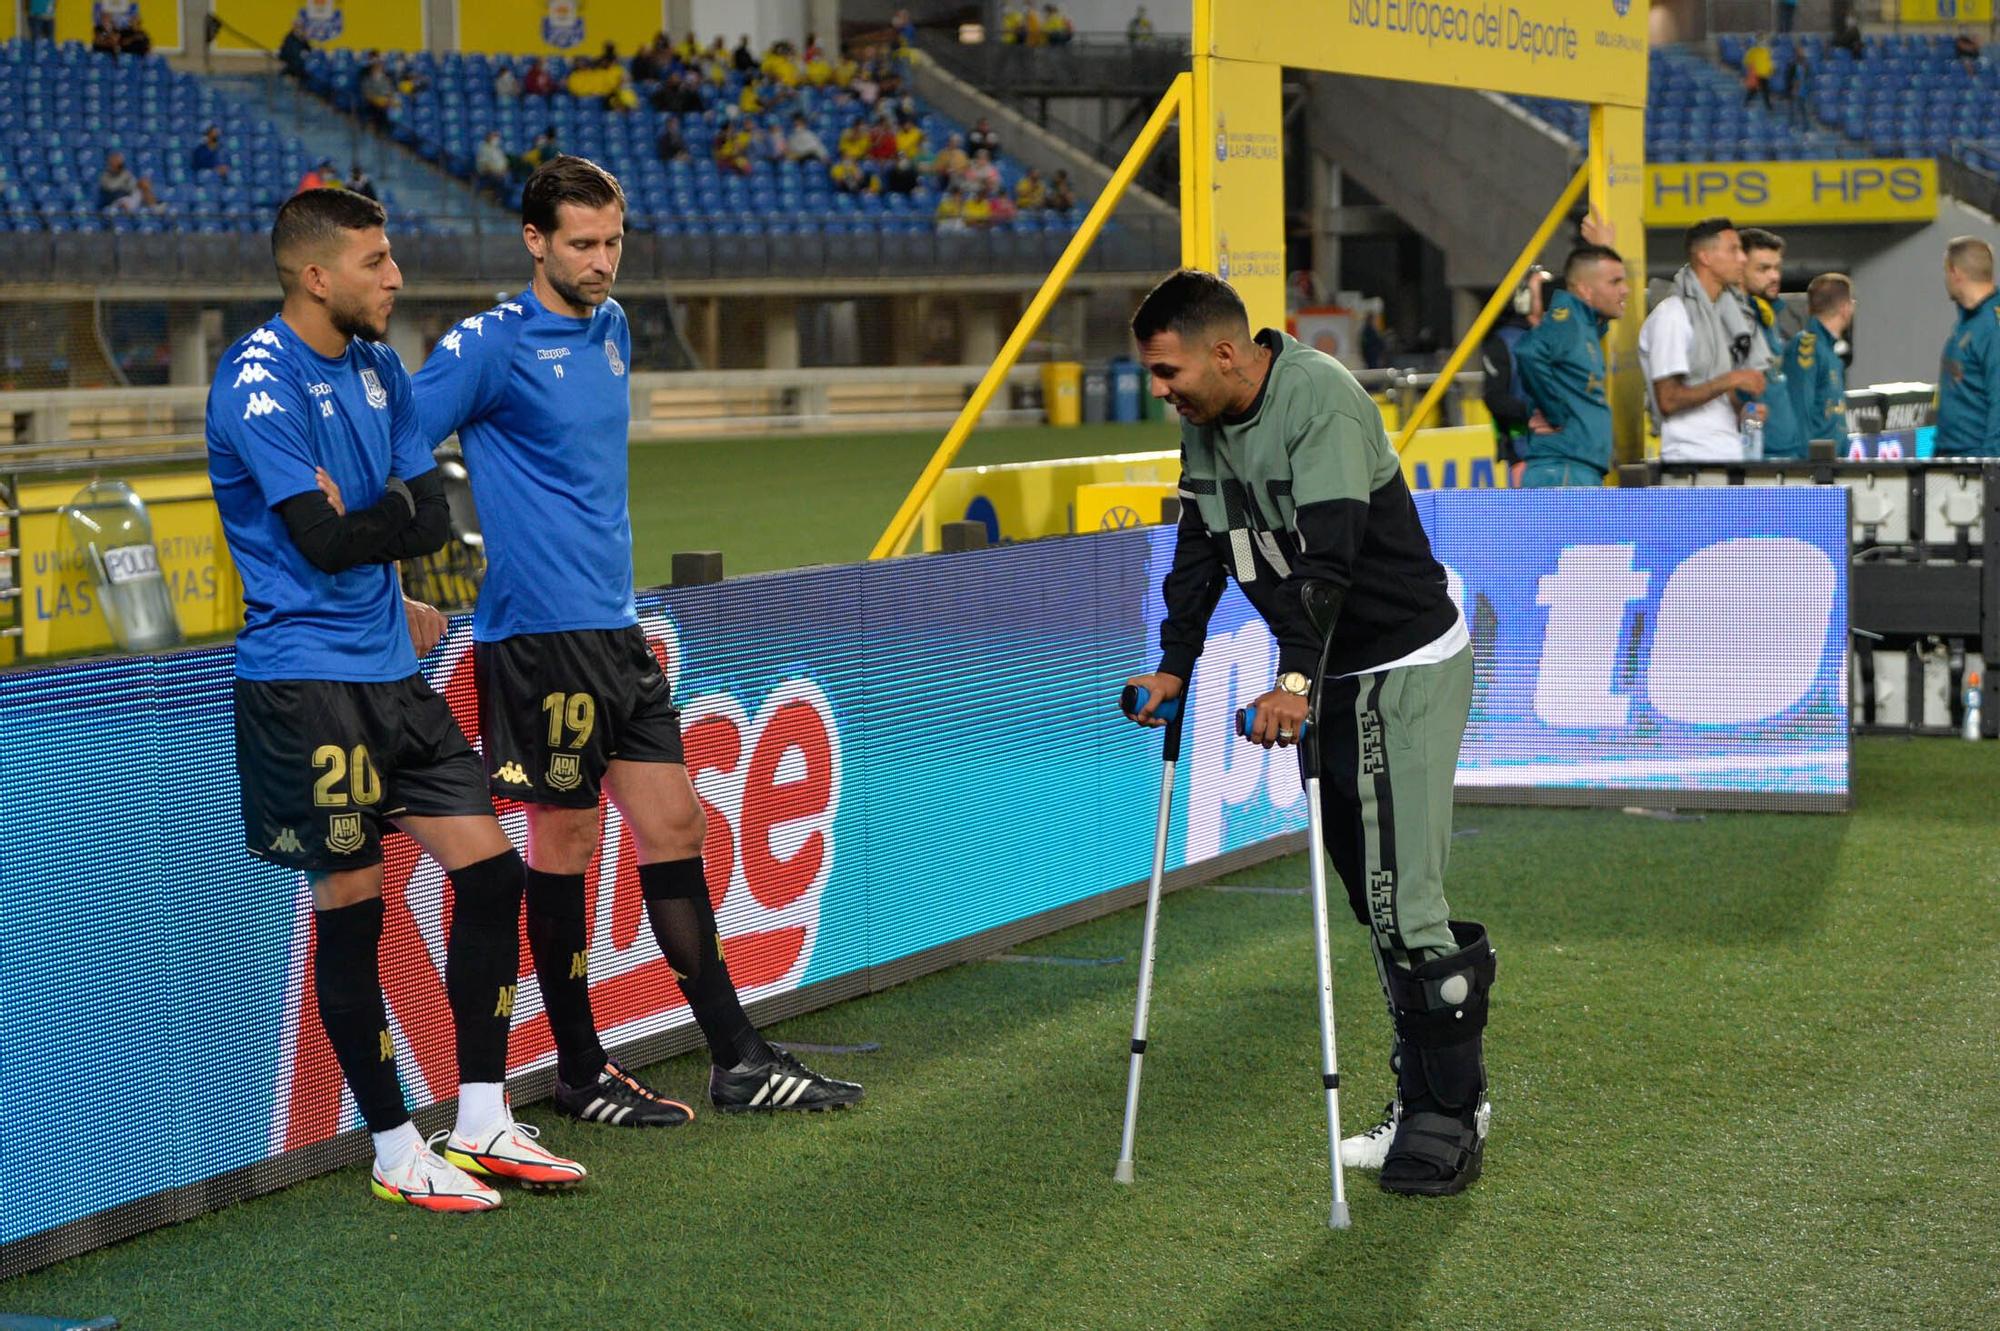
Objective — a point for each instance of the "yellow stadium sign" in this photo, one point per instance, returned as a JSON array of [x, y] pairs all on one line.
[[1945, 11], [556, 27], [1583, 50], [59, 607], [1792, 193], [351, 25], [1458, 457]]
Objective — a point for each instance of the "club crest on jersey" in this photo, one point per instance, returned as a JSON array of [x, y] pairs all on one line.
[[565, 771], [343, 833], [611, 354], [378, 396]]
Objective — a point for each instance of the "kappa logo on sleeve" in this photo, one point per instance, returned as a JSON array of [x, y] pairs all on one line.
[[253, 373], [266, 337], [451, 342], [261, 404]]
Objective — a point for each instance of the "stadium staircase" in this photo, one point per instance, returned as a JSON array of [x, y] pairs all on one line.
[[420, 194]]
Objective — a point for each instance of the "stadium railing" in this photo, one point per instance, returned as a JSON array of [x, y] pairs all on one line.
[[1092, 65]]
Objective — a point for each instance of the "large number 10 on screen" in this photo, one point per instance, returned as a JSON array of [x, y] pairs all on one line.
[[335, 765], [574, 712]]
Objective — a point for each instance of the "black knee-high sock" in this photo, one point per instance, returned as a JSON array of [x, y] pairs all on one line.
[[349, 988], [684, 923], [483, 962], [559, 941]]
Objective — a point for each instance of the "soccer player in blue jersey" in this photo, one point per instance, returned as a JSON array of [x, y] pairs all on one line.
[[572, 701], [324, 482]]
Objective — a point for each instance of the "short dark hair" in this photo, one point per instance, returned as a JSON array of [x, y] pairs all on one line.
[[1828, 292], [1971, 256], [1588, 254], [567, 179], [1190, 301], [1757, 238], [313, 219], [1707, 229]]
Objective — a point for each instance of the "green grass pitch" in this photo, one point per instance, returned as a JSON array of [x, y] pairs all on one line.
[[1743, 1077]]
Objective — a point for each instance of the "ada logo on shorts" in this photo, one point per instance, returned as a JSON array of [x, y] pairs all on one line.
[[611, 354], [378, 396], [565, 771], [343, 833]]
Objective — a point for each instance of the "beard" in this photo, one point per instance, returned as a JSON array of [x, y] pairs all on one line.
[[358, 322], [576, 296]]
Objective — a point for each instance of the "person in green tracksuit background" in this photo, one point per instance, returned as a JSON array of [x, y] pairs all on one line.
[[1289, 485], [1968, 416], [1814, 371], [1562, 367], [1763, 274]]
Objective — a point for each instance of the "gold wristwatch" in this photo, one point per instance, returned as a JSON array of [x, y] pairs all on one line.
[[1294, 683]]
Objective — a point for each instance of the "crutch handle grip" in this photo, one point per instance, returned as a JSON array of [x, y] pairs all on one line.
[[1246, 721], [1133, 698]]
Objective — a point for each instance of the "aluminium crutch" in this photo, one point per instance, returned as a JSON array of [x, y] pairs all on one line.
[[1130, 702]]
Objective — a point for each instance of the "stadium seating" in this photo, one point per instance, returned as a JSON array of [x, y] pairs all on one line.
[[1695, 113], [446, 122], [66, 106], [1909, 96]]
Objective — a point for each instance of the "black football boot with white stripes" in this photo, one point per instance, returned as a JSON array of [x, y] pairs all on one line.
[[617, 1099], [782, 1083]]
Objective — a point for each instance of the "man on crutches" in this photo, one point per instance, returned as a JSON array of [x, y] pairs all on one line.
[[1289, 485]]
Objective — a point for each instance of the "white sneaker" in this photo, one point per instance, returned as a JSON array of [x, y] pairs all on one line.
[[1367, 1150], [512, 1153], [432, 1183]]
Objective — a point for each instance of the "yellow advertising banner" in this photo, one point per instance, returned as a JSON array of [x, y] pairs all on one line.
[[1239, 167], [353, 25], [1583, 50], [1792, 193], [10, 20], [1455, 457], [76, 21], [59, 599], [1618, 195], [1945, 11], [557, 27]]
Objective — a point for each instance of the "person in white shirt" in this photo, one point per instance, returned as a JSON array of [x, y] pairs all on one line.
[[1699, 352]]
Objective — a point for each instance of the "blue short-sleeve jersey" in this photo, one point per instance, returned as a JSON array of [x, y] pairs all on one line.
[[542, 408], [276, 410]]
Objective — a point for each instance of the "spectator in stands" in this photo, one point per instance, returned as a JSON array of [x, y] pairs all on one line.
[[545, 147], [1814, 370], [648, 61], [910, 139], [802, 145], [979, 208], [378, 91], [818, 70], [1966, 49], [1062, 197], [292, 51], [846, 71], [1798, 86], [1002, 210], [506, 85], [1562, 366], [538, 81], [1699, 352], [1757, 68], [118, 190], [1031, 195], [1140, 30], [751, 100], [207, 155], [1505, 394], [1013, 25], [849, 178], [733, 144], [680, 95], [1788, 14], [1763, 273], [490, 162], [358, 181], [1057, 30], [1847, 36], [322, 176], [882, 140], [904, 27], [950, 164], [983, 137], [104, 38], [773, 145], [982, 174], [950, 215], [900, 176], [133, 39], [41, 20], [743, 58], [867, 87], [672, 144], [854, 142], [1031, 23], [409, 80], [1968, 413]]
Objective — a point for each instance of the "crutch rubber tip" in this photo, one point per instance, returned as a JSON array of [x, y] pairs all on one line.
[[1122, 1174], [1338, 1220]]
